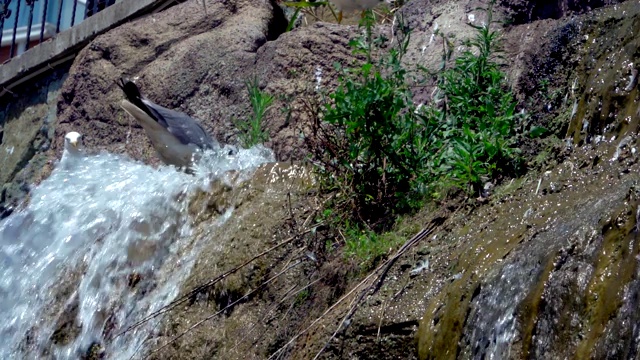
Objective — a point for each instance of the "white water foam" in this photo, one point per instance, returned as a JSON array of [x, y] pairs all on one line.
[[106, 240]]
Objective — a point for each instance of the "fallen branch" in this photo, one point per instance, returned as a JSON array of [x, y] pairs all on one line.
[[321, 316], [383, 269], [208, 284], [288, 294], [386, 266], [224, 309]]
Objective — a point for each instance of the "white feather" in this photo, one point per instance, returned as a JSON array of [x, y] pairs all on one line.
[[73, 149], [169, 148]]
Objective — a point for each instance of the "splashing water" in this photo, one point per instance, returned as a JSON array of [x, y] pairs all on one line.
[[492, 323], [103, 242]]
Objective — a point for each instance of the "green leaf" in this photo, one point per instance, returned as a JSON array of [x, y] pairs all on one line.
[[304, 4], [537, 131], [292, 22]]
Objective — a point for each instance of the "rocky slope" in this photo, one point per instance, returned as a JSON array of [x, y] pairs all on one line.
[[547, 268]]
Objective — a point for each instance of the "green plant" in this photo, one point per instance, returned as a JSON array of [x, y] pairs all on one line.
[[372, 141], [384, 155], [479, 112], [366, 246], [252, 130], [307, 8], [302, 297], [314, 10]]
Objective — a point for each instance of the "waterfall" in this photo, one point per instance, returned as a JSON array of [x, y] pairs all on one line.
[[101, 244]]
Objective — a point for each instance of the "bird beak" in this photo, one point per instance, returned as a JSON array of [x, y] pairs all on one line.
[[74, 143]]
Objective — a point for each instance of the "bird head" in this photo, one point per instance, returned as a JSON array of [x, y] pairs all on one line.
[[73, 142]]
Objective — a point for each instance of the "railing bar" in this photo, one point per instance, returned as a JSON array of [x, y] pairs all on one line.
[[1, 26], [94, 8], [12, 52], [59, 16], [44, 20], [30, 23], [73, 12], [5, 10]]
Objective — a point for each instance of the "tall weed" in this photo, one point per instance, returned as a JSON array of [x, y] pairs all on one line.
[[384, 155], [480, 114], [252, 130]]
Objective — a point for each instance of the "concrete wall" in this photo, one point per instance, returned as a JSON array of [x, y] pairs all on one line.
[[29, 90], [66, 44]]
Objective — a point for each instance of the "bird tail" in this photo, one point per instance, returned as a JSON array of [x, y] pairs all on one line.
[[132, 92]]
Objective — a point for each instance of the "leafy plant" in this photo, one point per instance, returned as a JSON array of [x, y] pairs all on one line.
[[373, 141], [368, 247], [313, 10], [384, 155], [307, 8], [480, 114], [252, 130], [302, 297]]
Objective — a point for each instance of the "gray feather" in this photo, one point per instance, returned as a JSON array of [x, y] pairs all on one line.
[[186, 129]]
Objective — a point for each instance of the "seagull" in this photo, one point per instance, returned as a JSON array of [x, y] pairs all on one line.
[[177, 137], [73, 149], [352, 5]]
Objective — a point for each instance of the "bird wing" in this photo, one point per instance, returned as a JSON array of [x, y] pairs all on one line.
[[185, 128]]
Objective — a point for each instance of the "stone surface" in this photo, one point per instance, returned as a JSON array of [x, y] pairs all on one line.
[[199, 66], [168, 54], [28, 123], [499, 277], [526, 11]]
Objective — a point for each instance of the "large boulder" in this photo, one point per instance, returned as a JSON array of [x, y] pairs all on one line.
[[27, 124], [526, 11], [182, 58], [198, 63]]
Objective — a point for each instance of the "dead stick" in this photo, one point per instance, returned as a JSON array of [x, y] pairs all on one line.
[[210, 283], [387, 266], [288, 294], [222, 310], [321, 316]]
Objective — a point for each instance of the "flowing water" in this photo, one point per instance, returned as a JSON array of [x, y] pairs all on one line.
[[103, 242]]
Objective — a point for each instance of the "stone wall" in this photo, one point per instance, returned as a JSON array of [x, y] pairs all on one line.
[[27, 117]]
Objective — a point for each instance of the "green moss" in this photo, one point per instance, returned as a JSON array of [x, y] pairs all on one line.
[[442, 325], [530, 307], [369, 248], [615, 267]]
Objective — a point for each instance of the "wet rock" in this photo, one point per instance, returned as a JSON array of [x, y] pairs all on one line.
[[25, 134], [67, 328], [133, 280], [95, 352], [525, 11], [605, 106], [245, 234], [421, 266]]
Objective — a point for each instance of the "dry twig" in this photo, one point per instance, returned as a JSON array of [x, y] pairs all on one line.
[[177, 337], [210, 283], [372, 288]]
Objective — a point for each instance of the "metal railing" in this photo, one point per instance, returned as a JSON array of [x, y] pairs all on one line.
[[26, 23]]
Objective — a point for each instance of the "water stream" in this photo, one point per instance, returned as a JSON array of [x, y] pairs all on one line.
[[102, 243]]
